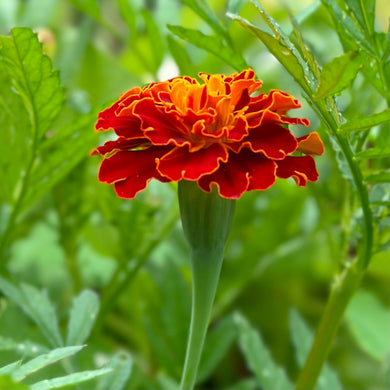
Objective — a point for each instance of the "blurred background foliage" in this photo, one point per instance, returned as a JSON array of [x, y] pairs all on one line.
[[71, 233]]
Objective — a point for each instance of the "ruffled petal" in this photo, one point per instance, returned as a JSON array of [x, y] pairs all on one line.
[[137, 168], [120, 144], [230, 179], [161, 128], [300, 168], [311, 144], [180, 163], [273, 140]]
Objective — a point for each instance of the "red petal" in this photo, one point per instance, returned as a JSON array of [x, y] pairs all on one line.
[[311, 144], [137, 168], [180, 163], [301, 169], [119, 144], [160, 127], [230, 179], [272, 139]]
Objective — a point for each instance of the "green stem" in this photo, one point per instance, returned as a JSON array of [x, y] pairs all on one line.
[[205, 277], [344, 288], [206, 220]]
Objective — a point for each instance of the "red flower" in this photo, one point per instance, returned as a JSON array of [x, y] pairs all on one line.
[[214, 133]]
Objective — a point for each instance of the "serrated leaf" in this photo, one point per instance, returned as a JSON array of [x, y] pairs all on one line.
[[371, 330], [44, 360], [68, 380], [268, 374], [338, 74], [367, 122], [210, 44], [378, 152], [302, 337], [43, 313], [281, 52], [32, 78], [83, 314], [122, 365]]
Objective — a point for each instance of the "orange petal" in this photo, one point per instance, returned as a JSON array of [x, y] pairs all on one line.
[[311, 144]]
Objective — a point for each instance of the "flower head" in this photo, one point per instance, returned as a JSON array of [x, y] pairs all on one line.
[[215, 133]]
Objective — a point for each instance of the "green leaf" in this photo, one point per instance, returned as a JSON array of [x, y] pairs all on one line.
[[32, 78], [43, 313], [376, 178], [121, 365], [302, 338], [210, 44], [268, 374], [9, 368], [281, 52], [69, 380], [377, 152], [25, 347], [364, 12], [368, 320], [181, 57], [8, 383], [44, 360], [82, 317], [37, 306], [338, 74], [365, 123], [90, 7], [208, 16], [129, 16], [217, 344]]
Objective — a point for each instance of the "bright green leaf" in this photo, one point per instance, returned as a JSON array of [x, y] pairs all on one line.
[[31, 75], [212, 45], [44, 360], [367, 122], [269, 375], [83, 314], [376, 178], [368, 320], [121, 365], [302, 337], [338, 74], [68, 380]]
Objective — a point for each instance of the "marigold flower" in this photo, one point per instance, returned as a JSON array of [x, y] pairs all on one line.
[[215, 133]]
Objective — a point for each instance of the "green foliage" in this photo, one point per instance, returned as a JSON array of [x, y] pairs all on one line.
[[80, 266]]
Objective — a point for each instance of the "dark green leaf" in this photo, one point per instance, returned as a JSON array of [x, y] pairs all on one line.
[[269, 375], [364, 12], [210, 44], [367, 122], [338, 74]]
